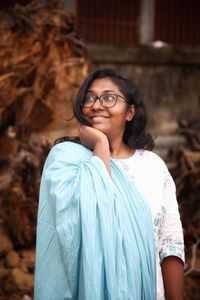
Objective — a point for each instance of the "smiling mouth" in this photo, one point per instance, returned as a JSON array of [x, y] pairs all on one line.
[[98, 118]]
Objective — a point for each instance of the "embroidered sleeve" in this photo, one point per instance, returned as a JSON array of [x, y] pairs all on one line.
[[171, 239]]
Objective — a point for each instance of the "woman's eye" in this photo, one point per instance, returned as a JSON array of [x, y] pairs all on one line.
[[109, 97], [90, 98]]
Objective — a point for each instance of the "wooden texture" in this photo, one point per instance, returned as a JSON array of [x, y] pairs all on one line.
[[43, 61], [186, 173]]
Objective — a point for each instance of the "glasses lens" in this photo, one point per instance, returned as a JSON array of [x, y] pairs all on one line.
[[108, 100], [89, 100]]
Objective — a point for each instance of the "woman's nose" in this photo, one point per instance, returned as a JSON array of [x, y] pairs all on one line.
[[97, 105]]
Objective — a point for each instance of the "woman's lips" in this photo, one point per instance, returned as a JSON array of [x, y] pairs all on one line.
[[97, 119]]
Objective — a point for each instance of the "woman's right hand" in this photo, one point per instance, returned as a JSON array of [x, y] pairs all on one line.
[[97, 141], [90, 136]]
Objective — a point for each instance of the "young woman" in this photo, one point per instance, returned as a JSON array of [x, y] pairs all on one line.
[[108, 221]]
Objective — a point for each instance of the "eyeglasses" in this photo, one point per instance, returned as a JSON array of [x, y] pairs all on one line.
[[107, 100]]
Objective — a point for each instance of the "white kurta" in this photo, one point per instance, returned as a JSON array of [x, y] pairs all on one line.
[[150, 175]]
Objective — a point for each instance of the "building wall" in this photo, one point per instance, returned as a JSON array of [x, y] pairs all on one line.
[[132, 22], [168, 77]]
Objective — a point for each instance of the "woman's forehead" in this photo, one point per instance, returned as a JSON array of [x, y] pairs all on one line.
[[103, 84]]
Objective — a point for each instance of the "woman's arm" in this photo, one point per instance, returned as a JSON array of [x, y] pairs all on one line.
[[172, 271], [171, 242]]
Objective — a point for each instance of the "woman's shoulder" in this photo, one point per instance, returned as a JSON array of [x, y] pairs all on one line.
[[70, 145], [142, 156], [150, 159], [68, 150], [150, 155], [66, 146]]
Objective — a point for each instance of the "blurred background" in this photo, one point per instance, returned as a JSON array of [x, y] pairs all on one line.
[[47, 48]]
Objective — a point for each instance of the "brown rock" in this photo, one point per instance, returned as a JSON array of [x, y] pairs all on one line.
[[3, 273], [8, 147], [12, 259], [5, 179], [5, 245], [28, 260], [19, 281], [26, 297]]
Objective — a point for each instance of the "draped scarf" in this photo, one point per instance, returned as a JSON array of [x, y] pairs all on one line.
[[94, 232]]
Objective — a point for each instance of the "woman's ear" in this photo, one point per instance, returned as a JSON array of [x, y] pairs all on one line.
[[130, 113]]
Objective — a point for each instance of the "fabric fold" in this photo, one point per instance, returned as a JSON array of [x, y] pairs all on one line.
[[100, 231]]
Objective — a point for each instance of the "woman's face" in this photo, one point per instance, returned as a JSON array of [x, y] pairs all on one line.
[[111, 121]]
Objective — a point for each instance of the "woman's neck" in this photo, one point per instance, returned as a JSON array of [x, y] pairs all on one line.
[[120, 150]]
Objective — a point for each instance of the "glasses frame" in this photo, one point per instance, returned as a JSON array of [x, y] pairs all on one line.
[[101, 100]]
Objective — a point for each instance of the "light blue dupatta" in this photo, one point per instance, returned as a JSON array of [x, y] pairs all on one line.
[[94, 233]]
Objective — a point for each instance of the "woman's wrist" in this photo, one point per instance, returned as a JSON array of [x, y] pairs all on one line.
[[101, 149]]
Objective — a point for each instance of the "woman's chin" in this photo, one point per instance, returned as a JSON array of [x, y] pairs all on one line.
[[100, 127]]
